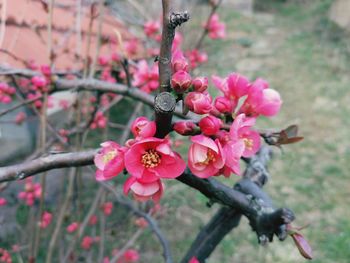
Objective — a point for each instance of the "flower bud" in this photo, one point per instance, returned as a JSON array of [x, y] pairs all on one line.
[[223, 105], [142, 127], [210, 125], [200, 84], [39, 81], [198, 102], [179, 62], [181, 81], [185, 127]]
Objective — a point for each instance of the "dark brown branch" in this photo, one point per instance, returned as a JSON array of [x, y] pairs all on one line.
[[164, 106], [227, 218], [170, 21]]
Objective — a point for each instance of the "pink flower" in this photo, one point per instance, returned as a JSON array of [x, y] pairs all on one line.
[[5, 256], [130, 256], [178, 61], [143, 128], [100, 121], [151, 28], [199, 102], [151, 158], [72, 227], [141, 222], [210, 125], [234, 86], [131, 47], [5, 93], [261, 100], [145, 77], [200, 84], [223, 105], [178, 39], [215, 28], [46, 219], [205, 156], [107, 208], [103, 60], [234, 151], [3, 201], [144, 191], [109, 161], [39, 81], [196, 57], [31, 192], [181, 81], [193, 260], [241, 130], [87, 242], [185, 127], [93, 220]]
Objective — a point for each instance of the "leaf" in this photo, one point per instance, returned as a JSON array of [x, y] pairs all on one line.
[[303, 246]]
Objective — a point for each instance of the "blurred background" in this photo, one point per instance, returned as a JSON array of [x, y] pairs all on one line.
[[301, 47]]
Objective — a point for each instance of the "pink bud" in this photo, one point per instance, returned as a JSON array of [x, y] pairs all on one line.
[[72, 227], [210, 125], [107, 208], [141, 222], [103, 60], [181, 81], [143, 127], [20, 117], [198, 102], [87, 242], [39, 81], [3, 201], [131, 255], [179, 62], [200, 84], [46, 70], [93, 220], [185, 127], [271, 103], [223, 105], [193, 260]]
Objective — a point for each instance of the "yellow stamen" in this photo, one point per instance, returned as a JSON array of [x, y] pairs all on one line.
[[109, 156], [248, 143], [210, 157], [150, 159]]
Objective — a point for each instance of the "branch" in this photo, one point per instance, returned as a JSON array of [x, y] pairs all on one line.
[[50, 162], [170, 21]]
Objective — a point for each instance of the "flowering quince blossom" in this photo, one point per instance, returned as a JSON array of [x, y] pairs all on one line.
[[31, 192], [216, 29], [200, 84], [72, 227], [181, 81], [100, 121], [193, 260], [198, 102], [143, 127], [196, 57], [178, 61], [109, 161], [241, 130], [93, 220], [6, 92], [261, 100], [145, 77], [87, 242], [210, 125], [3, 201], [46, 219], [205, 156], [148, 160], [234, 86], [5, 256], [151, 28], [223, 105], [185, 127], [107, 208], [129, 256]]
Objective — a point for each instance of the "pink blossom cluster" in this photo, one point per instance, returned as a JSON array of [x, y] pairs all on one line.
[[3, 201], [152, 30], [31, 192], [46, 219], [99, 122], [215, 28], [146, 77], [129, 256], [147, 159], [6, 92], [5, 256]]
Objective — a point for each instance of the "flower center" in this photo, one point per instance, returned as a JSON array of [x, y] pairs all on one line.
[[109, 156], [210, 157], [248, 143], [150, 159]]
